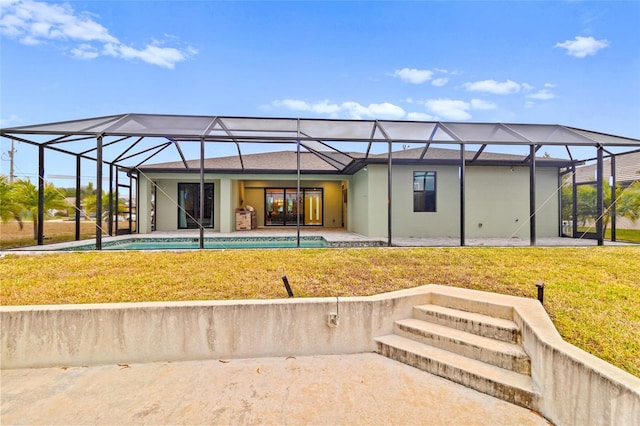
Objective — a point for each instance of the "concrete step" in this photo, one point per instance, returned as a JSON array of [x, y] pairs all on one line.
[[467, 304], [501, 354], [484, 325], [486, 378]]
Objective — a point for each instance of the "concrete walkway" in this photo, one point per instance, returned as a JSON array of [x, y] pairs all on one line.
[[338, 389]]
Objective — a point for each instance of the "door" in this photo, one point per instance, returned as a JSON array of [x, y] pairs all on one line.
[[189, 206], [313, 207]]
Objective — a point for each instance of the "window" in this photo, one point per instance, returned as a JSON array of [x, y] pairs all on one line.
[[424, 191], [189, 206]]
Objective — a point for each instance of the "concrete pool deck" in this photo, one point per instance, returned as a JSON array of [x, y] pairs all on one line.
[[361, 388]]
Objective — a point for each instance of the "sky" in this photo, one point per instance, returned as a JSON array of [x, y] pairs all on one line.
[[574, 63]]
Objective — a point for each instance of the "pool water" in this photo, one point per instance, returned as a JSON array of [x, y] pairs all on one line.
[[209, 243]]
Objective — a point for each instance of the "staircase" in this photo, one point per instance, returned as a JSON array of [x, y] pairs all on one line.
[[468, 343]]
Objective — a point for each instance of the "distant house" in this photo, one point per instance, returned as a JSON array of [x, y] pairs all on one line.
[[624, 169], [627, 169], [425, 193]]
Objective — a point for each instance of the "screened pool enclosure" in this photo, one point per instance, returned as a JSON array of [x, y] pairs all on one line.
[[121, 145]]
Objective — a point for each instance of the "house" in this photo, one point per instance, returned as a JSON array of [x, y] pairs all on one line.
[[621, 169], [425, 193]]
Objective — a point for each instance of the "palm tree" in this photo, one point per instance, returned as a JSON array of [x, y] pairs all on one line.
[[89, 203], [9, 208], [26, 194], [627, 202]]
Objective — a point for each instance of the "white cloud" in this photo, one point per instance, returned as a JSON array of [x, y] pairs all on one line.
[[479, 104], [154, 54], [420, 116], [349, 109], [33, 22], [412, 75], [293, 104], [497, 88], [581, 47], [439, 82], [85, 51], [450, 109], [542, 95]]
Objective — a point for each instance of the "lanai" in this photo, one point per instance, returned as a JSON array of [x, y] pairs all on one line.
[[133, 139]]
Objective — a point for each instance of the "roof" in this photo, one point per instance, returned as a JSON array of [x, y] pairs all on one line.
[[286, 161], [627, 168], [127, 134]]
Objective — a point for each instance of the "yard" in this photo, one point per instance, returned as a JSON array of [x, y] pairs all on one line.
[[592, 294], [55, 231]]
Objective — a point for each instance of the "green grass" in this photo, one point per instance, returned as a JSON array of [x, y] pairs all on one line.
[[622, 235], [592, 294]]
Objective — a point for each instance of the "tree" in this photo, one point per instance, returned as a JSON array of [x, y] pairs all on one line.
[[89, 203], [26, 194], [627, 202], [9, 208]]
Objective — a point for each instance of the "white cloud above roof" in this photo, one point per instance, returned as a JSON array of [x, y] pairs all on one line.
[[581, 47], [449, 109], [347, 109], [479, 104], [33, 23], [508, 87], [421, 116]]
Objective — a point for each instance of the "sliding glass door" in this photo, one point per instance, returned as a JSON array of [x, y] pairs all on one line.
[[189, 206], [281, 206]]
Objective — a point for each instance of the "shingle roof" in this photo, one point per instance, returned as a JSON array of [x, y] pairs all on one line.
[[286, 161], [627, 169]]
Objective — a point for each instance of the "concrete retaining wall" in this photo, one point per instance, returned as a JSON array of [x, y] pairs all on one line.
[[75, 335], [575, 387]]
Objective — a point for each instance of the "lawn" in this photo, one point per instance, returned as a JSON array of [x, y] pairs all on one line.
[[592, 294], [55, 231]]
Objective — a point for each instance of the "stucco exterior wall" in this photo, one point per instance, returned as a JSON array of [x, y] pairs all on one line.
[[167, 199], [444, 222], [359, 203], [497, 202], [234, 191]]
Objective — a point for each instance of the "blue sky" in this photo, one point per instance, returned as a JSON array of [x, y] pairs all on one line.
[[573, 63]]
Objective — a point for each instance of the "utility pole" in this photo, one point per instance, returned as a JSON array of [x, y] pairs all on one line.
[[11, 153]]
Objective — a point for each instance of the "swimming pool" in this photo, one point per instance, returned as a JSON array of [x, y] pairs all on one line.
[[182, 243]]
